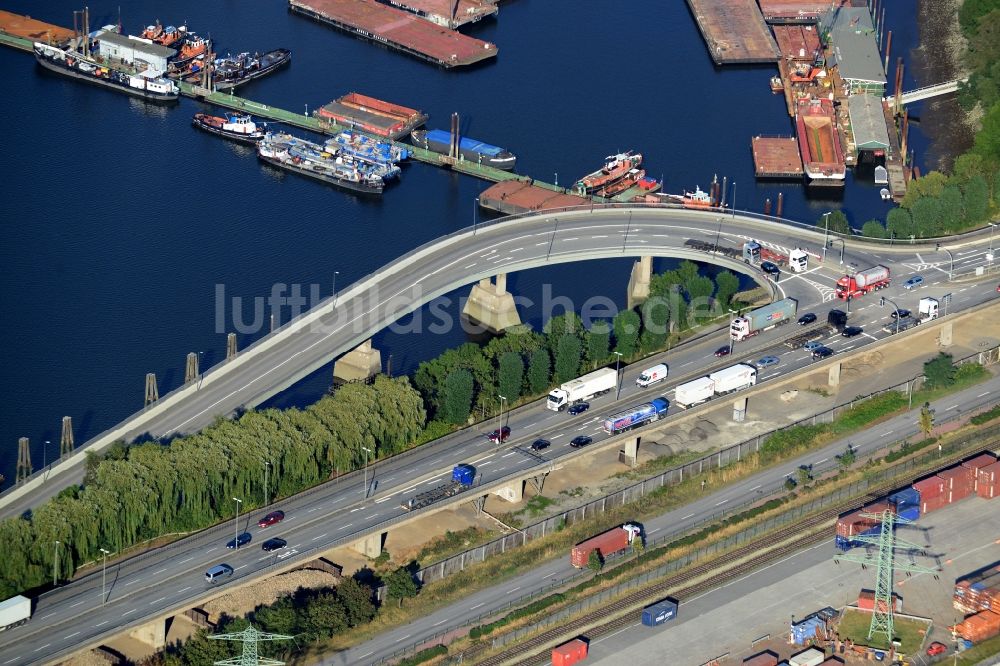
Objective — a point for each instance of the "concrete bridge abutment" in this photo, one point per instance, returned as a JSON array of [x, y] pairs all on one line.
[[371, 545], [491, 305], [512, 492], [638, 282], [833, 378], [358, 364], [153, 634]]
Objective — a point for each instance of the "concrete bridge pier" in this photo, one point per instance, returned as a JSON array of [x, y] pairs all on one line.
[[630, 454], [371, 545], [512, 492], [944, 338], [358, 364], [491, 305], [638, 282], [834, 377], [153, 634]]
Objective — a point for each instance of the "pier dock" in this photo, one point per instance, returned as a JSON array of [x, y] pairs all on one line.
[[776, 157], [30, 30], [734, 31], [448, 13]]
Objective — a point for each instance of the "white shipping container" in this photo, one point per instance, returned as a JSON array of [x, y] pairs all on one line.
[[811, 657], [694, 392], [14, 611], [734, 378]]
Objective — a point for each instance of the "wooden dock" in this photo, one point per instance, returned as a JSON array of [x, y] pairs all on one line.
[[734, 31], [776, 157], [895, 161]]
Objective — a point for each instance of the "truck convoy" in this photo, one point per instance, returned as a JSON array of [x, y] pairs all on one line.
[[755, 253], [653, 375], [647, 412], [862, 282], [462, 478], [14, 612], [609, 543], [727, 380], [762, 319], [593, 384]]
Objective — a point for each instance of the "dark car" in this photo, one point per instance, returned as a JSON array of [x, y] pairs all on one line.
[[578, 408], [273, 544], [901, 313], [580, 441], [540, 444], [851, 331], [822, 352], [499, 436], [722, 351], [769, 268], [807, 318], [272, 518], [241, 540]]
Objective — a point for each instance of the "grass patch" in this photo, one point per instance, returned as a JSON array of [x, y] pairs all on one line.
[[424, 656], [909, 448], [537, 505], [854, 624], [986, 417], [977, 653], [451, 543]]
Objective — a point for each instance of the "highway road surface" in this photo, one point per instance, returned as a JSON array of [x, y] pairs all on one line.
[[171, 577], [354, 315]]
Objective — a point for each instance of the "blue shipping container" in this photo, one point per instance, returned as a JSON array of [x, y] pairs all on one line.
[[910, 512], [906, 497], [658, 613], [464, 474], [842, 543]]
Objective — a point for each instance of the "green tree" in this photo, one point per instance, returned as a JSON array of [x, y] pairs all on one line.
[[519, 339], [598, 343], [457, 397], [561, 325], [699, 290], [401, 584], [847, 458], [804, 475], [595, 562], [939, 371], [626, 326], [726, 284], [511, 373], [278, 618], [357, 600], [899, 224], [987, 141], [977, 199], [952, 212], [568, 358], [539, 371], [655, 323], [926, 212], [837, 222], [930, 185], [874, 229], [926, 419], [790, 484]]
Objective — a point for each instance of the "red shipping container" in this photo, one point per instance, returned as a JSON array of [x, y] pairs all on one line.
[[976, 464], [762, 659], [979, 627], [866, 601], [569, 653], [957, 482], [933, 504], [988, 483], [853, 524], [929, 488], [606, 543]]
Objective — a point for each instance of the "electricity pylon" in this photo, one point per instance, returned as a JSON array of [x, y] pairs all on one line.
[[887, 542], [250, 637]]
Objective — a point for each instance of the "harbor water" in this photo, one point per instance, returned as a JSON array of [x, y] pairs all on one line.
[[121, 223]]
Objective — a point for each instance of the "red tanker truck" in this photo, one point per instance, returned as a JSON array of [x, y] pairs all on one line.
[[859, 284], [610, 542]]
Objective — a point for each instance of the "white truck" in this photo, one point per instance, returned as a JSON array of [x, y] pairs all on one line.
[[653, 375], [14, 611], [727, 380], [927, 309], [592, 384]]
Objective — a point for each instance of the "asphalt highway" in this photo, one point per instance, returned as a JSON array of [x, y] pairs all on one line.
[[171, 577], [352, 316]]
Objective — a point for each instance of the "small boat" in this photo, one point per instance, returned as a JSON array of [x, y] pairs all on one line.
[[630, 179], [615, 168], [229, 72], [777, 85], [193, 47], [697, 199], [238, 127], [170, 36]]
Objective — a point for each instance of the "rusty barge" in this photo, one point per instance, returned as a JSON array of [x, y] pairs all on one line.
[[371, 115], [819, 141], [401, 30], [450, 14]]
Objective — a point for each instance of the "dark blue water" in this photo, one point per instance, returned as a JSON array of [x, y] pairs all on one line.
[[119, 219]]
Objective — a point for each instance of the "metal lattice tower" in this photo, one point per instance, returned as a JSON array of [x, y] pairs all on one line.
[[887, 542], [250, 637]]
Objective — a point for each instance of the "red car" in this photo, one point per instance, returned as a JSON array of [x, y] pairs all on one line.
[[499, 436], [936, 649], [272, 518]]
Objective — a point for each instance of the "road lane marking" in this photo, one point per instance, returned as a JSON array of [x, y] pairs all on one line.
[[437, 624], [101, 624], [43, 647], [556, 436], [982, 394], [366, 654], [317, 538], [187, 560], [384, 499], [513, 452], [820, 462], [312, 509], [129, 612], [721, 503], [66, 638], [488, 462], [159, 572], [477, 606], [515, 589], [886, 433], [344, 527], [403, 638], [131, 582], [357, 508], [755, 488], [45, 616], [11, 660], [406, 490], [690, 515], [242, 567], [153, 603], [76, 604], [952, 407]]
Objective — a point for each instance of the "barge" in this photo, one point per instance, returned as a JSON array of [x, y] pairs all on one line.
[[471, 150], [148, 85], [313, 161], [374, 21], [819, 142], [371, 115], [450, 14]]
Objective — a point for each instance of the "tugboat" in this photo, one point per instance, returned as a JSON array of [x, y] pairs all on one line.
[[632, 178], [697, 199], [230, 72], [193, 47], [148, 85], [309, 159], [234, 126], [615, 168], [170, 36]]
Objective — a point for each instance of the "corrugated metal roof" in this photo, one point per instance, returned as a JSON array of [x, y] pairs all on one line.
[[855, 46], [136, 43], [868, 122]]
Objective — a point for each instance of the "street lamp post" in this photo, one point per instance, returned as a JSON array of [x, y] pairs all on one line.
[[734, 199], [992, 224], [104, 572], [367, 451], [503, 399], [826, 232], [618, 375], [951, 267], [236, 541], [55, 566], [45, 454], [267, 468], [475, 205], [731, 313], [201, 370], [896, 307], [718, 236], [335, 274]]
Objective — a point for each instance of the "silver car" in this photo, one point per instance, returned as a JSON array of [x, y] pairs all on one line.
[[812, 345], [767, 361]]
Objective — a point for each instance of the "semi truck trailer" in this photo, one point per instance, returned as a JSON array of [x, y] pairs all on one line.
[[762, 319], [639, 415], [593, 384], [14, 611], [862, 282], [608, 543], [462, 478], [728, 380]]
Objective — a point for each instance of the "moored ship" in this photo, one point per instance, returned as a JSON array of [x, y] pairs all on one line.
[[192, 47], [148, 85], [368, 148], [615, 168], [232, 71], [237, 127], [697, 199], [309, 159], [169, 36], [630, 179], [371, 115], [470, 150], [819, 142]]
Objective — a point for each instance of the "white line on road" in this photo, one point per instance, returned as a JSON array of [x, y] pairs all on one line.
[[406, 490], [488, 462], [655, 529], [366, 654], [982, 394], [820, 462], [159, 572], [242, 567], [514, 589], [598, 236], [317, 538], [886, 433], [184, 590], [477, 606], [952, 407], [312, 509], [129, 612], [344, 527], [755, 488], [690, 515], [721, 503], [11, 660], [153, 603], [66, 638], [43, 647], [403, 638], [187, 560], [101, 624], [76, 604], [508, 454], [45, 616], [437, 624], [131, 582], [559, 435], [357, 508], [389, 497]]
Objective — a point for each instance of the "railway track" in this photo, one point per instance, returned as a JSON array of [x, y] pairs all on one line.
[[686, 584]]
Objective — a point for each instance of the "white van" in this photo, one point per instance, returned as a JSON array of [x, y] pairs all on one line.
[[652, 375], [217, 572]]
